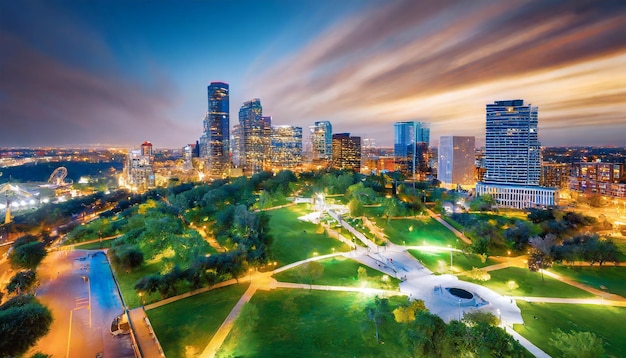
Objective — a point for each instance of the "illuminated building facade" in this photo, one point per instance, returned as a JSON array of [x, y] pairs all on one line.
[[555, 175], [285, 148], [255, 136], [322, 141], [513, 156], [138, 172], [410, 147], [607, 179], [456, 164], [346, 152], [215, 138]]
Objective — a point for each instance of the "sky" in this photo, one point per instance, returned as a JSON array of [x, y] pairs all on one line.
[[117, 73]]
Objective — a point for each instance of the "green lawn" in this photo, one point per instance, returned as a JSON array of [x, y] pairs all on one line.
[[605, 322], [613, 278], [420, 231], [530, 284], [95, 245], [340, 271], [127, 282], [296, 240], [303, 323], [439, 262], [185, 327]]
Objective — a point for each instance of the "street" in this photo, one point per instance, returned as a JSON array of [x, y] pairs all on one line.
[[70, 283]]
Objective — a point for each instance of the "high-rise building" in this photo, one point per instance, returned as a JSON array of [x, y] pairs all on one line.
[[555, 175], [285, 148], [138, 172], [215, 148], [513, 156], [456, 163], [410, 147], [346, 152], [236, 141], [255, 130], [322, 140]]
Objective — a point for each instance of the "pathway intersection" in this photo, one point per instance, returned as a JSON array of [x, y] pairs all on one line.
[[417, 283]]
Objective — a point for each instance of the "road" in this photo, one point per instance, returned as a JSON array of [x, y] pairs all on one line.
[[70, 283]]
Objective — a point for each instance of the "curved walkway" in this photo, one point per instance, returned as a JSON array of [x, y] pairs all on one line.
[[456, 232]]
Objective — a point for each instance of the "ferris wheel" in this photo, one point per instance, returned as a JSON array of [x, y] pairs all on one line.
[[58, 176]]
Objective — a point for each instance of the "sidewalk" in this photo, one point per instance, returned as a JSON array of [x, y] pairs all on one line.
[[146, 339], [448, 226]]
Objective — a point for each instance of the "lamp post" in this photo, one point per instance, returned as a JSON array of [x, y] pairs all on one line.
[[508, 257]]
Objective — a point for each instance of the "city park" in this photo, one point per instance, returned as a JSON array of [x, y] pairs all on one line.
[[345, 265]]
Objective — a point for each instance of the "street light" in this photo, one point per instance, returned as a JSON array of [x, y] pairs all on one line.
[[508, 257], [450, 259]]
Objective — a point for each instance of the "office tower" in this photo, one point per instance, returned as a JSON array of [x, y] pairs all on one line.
[[236, 141], [285, 148], [513, 157], [346, 152], [138, 172], [215, 138], [456, 161], [256, 131], [187, 157], [322, 140], [411, 141]]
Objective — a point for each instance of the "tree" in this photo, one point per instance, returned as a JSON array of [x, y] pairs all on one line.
[[478, 274], [312, 270], [482, 203], [578, 344], [23, 281], [406, 312], [378, 311], [28, 255], [130, 259], [425, 335], [481, 316], [537, 260], [356, 207], [24, 321]]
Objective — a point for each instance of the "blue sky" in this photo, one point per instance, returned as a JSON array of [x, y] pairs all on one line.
[[121, 72]]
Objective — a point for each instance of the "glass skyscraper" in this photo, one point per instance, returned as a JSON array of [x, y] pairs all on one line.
[[456, 161], [255, 136], [214, 143], [513, 157], [346, 152], [322, 140], [286, 147], [410, 146], [512, 149]]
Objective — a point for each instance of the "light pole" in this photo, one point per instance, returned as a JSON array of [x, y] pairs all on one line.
[[508, 257], [459, 310]]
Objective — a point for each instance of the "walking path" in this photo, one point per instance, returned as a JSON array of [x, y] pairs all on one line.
[[221, 334], [582, 301], [533, 349], [144, 334], [456, 232]]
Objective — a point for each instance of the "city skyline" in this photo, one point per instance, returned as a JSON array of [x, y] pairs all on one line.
[[119, 73]]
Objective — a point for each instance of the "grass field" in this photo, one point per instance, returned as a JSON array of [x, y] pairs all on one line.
[[613, 278], [530, 284], [605, 322], [420, 231], [296, 240], [127, 282], [185, 327], [95, 245], [439, 262], [302, 323], [340, 271]]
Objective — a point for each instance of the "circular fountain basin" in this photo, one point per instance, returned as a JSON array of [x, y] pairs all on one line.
[[460, 296]]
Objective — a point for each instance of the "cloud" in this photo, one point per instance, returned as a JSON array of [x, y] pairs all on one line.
[[44, 101], [444, 61]]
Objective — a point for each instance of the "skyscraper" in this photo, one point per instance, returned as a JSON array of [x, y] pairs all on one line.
[[138, 172], [512, 149], [215, 138], [513, 157], [322, 140], [410, 147], [255, 131], [346, 152], [456, 161], [285, 148]]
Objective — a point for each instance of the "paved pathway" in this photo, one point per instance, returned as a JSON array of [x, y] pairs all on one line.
[[581, 301], [582, 286], [222, 332], [456, 232], [146, 339], [533, 349]]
